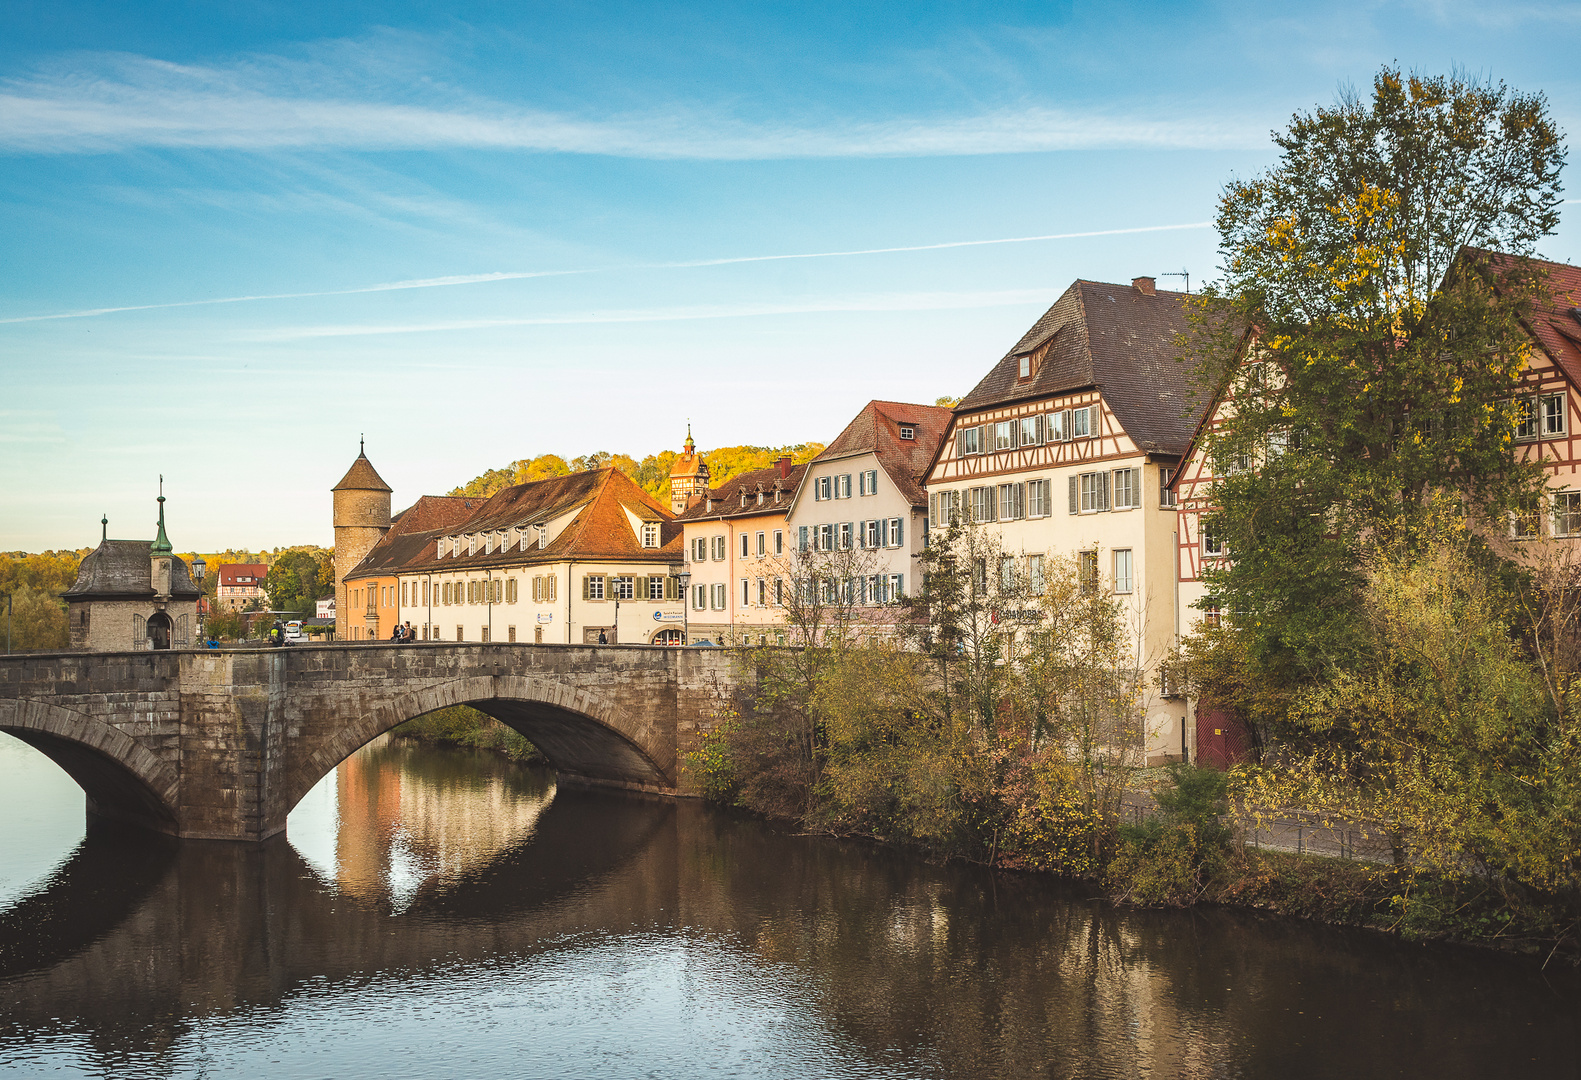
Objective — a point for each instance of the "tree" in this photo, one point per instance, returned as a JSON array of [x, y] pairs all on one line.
[[298, 577], [1364, 342], [38, 619]]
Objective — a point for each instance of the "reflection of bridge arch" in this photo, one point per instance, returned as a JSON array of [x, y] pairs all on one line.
[[583, 734], [121, 778]]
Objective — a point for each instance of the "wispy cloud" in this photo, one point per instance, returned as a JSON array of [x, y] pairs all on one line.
[[515, 275], [116, 102], [914, 301]]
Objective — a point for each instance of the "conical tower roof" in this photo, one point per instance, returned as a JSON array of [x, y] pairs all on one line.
[[361, 477]]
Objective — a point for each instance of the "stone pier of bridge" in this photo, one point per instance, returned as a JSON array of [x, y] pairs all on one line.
[[222, 745]]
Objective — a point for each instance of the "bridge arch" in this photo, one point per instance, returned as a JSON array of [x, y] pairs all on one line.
[[122, 779], [583, 734]]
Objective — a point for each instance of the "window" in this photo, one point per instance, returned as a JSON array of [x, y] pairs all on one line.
[[718, 590], [623, 588], [969, 441], [593, 587], [459, 636], [700, 549], [982, 503], [762, 544], [1525, 419], [1035, 579], [744, 543], [485, 635], [1007, 573], [897, 587], [510, 633], [1210, 612], [656, 587], [403, 594], [823, 489], [511, 591], [896, 533], [801, 537], [650, 534], [867, 482], [1012, 502], [1122, 570], [1166, 494], [779, 590], [825, 538], [1087, 570], [979, 577], [1525, 524], [1080, 426], [873, 534], [779, 542], [1567, 513], [543, 536], [1094, 492], [719, 549], [1553, 415], [1031, 433], [1058, 426], [944, 507], [1024, 367], [1005, 435], [543, 589], [1127, 489], [746, 594], [1212, 545], [845, 536], [908, 432], [842, 486], [763, 592], [699, 597], [1037, 498]]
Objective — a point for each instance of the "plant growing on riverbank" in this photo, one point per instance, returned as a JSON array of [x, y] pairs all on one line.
[[460, 725]]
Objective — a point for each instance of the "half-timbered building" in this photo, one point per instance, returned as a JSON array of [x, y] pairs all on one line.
[[1066, 448], [1548, 400]]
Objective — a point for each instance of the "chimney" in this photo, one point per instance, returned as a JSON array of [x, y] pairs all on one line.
[[1143, 285], [784, 464]]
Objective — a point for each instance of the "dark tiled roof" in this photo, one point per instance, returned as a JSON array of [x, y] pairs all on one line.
[[876, 430], [361, 477], [121, 570], [727, 496], [600, 529], [1115, 338], [435, 512]]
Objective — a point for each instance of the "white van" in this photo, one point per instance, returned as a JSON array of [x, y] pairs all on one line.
[[293, 631]]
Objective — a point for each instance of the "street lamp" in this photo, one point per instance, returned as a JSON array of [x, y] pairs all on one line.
[[198, 567], [685, 578]]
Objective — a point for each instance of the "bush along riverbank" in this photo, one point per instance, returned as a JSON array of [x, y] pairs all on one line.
[[962, 734], [466, 727]]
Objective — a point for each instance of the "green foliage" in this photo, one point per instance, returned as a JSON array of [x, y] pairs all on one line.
[[37, 620], [1382, 348], [652, 473], [461, 725], [298, 577], [1171, 858], [710, 762]]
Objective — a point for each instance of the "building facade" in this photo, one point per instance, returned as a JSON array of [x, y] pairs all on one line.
[[739, 557], [241, 585], [579, 559], [361, 514], [1065, 450]]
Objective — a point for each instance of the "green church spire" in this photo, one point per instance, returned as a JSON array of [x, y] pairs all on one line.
[[161, 545]]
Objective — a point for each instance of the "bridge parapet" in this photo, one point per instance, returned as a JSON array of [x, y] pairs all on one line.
[[222, 745]]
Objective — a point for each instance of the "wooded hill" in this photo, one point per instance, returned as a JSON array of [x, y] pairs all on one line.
[[652, 473]]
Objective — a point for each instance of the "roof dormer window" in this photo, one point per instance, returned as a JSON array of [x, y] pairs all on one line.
[[907, 431], [650, 534], [1024, 367]]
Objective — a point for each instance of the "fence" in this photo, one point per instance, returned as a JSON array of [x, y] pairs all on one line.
[[1302, 836]]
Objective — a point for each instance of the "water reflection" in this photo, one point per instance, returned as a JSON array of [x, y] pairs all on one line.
[[399, 817], [592, 933]]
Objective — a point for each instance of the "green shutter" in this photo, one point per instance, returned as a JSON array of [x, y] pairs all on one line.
[[585, 579], [1075, 496]]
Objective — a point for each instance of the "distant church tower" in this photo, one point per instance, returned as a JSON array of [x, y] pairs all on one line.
[[688, 477], [362, 517]]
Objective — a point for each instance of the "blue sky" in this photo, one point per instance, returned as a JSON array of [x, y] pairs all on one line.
[[232, 240]]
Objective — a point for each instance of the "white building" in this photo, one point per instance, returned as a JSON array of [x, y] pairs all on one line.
[[1067, 445]]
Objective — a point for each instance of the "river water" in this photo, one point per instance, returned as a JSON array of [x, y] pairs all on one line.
[[436, 913]]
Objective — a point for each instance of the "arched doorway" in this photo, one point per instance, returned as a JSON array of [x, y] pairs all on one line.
[[670, 635], [159, 630]]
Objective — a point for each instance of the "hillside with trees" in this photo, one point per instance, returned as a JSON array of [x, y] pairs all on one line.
[[652, 473]]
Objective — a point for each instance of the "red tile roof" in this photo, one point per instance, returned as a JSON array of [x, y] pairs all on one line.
[[231, 571], [876, 430], [727, 500]]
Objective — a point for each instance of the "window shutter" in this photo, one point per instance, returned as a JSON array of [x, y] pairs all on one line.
[[669, 588], [585, 579], [1092, 421], [1042, 429], [900, 532], [1075, 496], [1015, 434], [1103, 490], [640, 589]]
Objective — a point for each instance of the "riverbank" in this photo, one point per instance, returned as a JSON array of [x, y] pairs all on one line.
[[468, 728]]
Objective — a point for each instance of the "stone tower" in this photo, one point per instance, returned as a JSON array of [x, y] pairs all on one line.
[[688, 476], [362, 517]]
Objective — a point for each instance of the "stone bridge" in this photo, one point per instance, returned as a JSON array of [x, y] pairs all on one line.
[[221, 745]]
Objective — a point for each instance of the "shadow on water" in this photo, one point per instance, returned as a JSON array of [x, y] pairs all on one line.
[[143, 950]]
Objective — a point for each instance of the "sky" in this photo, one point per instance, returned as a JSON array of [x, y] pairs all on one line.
[[236, 238]]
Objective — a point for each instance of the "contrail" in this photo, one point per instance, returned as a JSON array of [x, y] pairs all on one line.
[[517, 275]]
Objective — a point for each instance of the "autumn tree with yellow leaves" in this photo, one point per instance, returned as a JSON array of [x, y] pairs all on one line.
[[1365, 341]]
